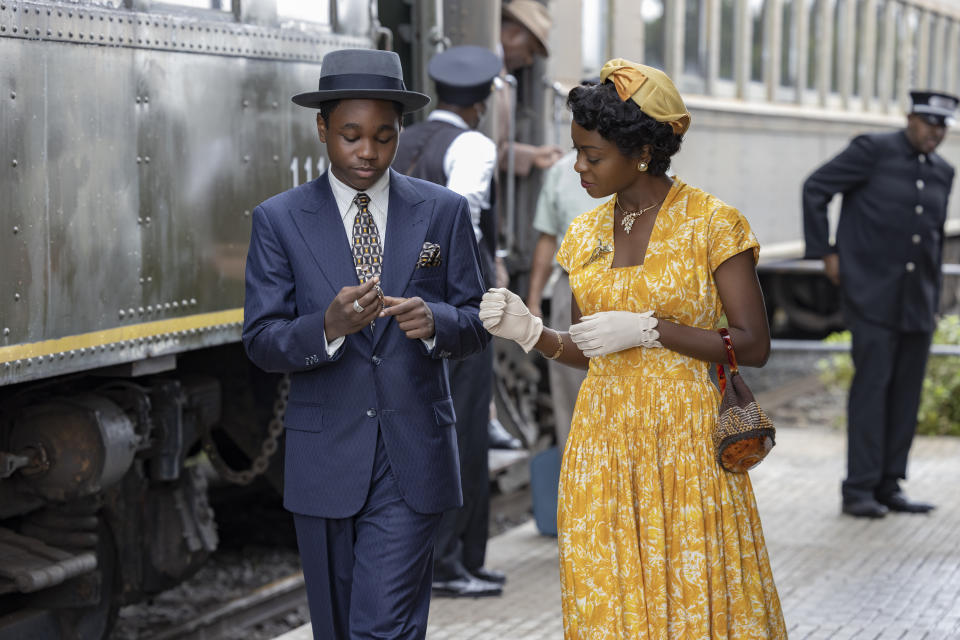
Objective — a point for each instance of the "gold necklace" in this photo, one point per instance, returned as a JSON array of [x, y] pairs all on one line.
[[629, 217]]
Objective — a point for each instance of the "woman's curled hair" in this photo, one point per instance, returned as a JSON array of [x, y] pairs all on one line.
[[599, 108]]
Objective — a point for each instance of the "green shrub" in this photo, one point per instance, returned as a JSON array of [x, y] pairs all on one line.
[[939, 412]]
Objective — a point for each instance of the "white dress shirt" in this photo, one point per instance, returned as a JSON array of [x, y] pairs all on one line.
[[379, 204], [469, 163]]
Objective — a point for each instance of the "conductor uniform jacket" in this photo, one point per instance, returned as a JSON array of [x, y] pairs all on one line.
[[890, 234], [378, 380]]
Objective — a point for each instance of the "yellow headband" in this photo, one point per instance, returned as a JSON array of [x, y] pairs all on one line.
[[651, 89]]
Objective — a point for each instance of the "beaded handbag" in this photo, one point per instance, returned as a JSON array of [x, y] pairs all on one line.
[[744, 435]]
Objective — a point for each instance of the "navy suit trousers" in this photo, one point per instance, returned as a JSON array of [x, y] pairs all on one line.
[[369, 576]]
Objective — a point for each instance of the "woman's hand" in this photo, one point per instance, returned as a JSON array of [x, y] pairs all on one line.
[[607, 332], [503, 314]]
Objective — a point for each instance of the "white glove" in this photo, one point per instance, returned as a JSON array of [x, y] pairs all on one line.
[[610, 331], [504, 314]]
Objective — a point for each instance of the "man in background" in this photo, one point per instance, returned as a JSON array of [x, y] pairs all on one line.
[[446, 149], [524, 32], [887, 261]]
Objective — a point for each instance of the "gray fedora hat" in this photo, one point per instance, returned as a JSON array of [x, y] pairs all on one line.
[[364, 74]]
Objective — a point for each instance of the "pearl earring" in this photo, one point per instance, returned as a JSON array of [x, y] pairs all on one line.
[[642, 166]]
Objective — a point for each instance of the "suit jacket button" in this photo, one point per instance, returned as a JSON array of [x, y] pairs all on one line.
[[376, 360], [916, 238], [371, 413], [910, 266]]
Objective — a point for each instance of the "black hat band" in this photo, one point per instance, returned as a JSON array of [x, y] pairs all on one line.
[[360, 81], [463, 96]]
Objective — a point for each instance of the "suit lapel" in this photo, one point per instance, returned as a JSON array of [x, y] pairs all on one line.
[[319, 222], [408, 218]]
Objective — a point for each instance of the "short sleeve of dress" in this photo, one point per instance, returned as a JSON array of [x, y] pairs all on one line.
[[728, 234], [567, 248]]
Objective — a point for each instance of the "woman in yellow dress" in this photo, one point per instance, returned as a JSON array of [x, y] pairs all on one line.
[[657, 541]]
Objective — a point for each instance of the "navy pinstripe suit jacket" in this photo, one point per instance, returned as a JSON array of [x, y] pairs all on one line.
[[299, 258]]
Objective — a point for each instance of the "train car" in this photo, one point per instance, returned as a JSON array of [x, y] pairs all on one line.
[[136, 138], [775, 88]]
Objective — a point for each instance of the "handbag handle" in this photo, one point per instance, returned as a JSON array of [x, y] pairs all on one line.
[[731, 358]]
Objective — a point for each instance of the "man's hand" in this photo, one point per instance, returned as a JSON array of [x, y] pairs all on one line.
[[342, 318], [831, 267], [547, 155], [413, 316]]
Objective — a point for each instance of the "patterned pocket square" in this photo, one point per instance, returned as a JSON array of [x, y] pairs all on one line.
[[429, 255]]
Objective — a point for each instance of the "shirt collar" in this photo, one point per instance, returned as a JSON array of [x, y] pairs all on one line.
[[344, 193], [448, 116]]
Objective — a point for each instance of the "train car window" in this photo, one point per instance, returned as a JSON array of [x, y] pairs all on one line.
[[814, 38], [758, 19], [317, 11], [907, 24], [596, 35], [353, 18], [727, 42], [654, 29], [695, 45], [788, 45], [879, 80]]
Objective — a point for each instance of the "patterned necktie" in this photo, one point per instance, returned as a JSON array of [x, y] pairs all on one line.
[[366, 240]]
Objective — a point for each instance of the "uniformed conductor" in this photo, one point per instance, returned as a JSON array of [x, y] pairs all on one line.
[[446, 149], [886, 260]]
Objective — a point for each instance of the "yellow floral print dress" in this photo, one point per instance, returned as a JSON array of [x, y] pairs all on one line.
[[657, 541]]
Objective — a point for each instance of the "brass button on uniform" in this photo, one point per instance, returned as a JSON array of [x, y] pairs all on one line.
[[922, 158], [918, 209], [919, 184], [910, 267], [916, 238]]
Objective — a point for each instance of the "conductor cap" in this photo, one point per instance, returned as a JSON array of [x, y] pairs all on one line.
[[937, 108], [464, 75]]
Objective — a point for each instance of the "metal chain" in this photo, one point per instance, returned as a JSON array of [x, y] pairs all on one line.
[[268, 447]]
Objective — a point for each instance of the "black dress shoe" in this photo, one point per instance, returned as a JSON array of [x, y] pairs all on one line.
[[468, 587], [864, 508], [500, 438], [899, 502], [489, 575]]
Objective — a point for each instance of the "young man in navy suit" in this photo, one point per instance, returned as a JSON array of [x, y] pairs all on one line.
[[360, 284]]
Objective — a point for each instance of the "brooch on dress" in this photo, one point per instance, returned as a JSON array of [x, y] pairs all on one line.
[[598, 252]]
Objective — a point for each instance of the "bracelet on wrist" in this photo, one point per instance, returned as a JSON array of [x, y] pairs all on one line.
[[559, 350]]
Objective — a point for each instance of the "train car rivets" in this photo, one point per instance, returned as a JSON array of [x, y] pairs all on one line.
[[14, 162], [6, 331], [121, 314], [16, 229], [193, 301], [13, 95], [16, 297]]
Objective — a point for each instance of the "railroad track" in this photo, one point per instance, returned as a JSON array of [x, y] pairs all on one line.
[[226, 621]]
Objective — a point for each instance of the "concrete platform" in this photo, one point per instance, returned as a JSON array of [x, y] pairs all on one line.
[[839, 578]]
